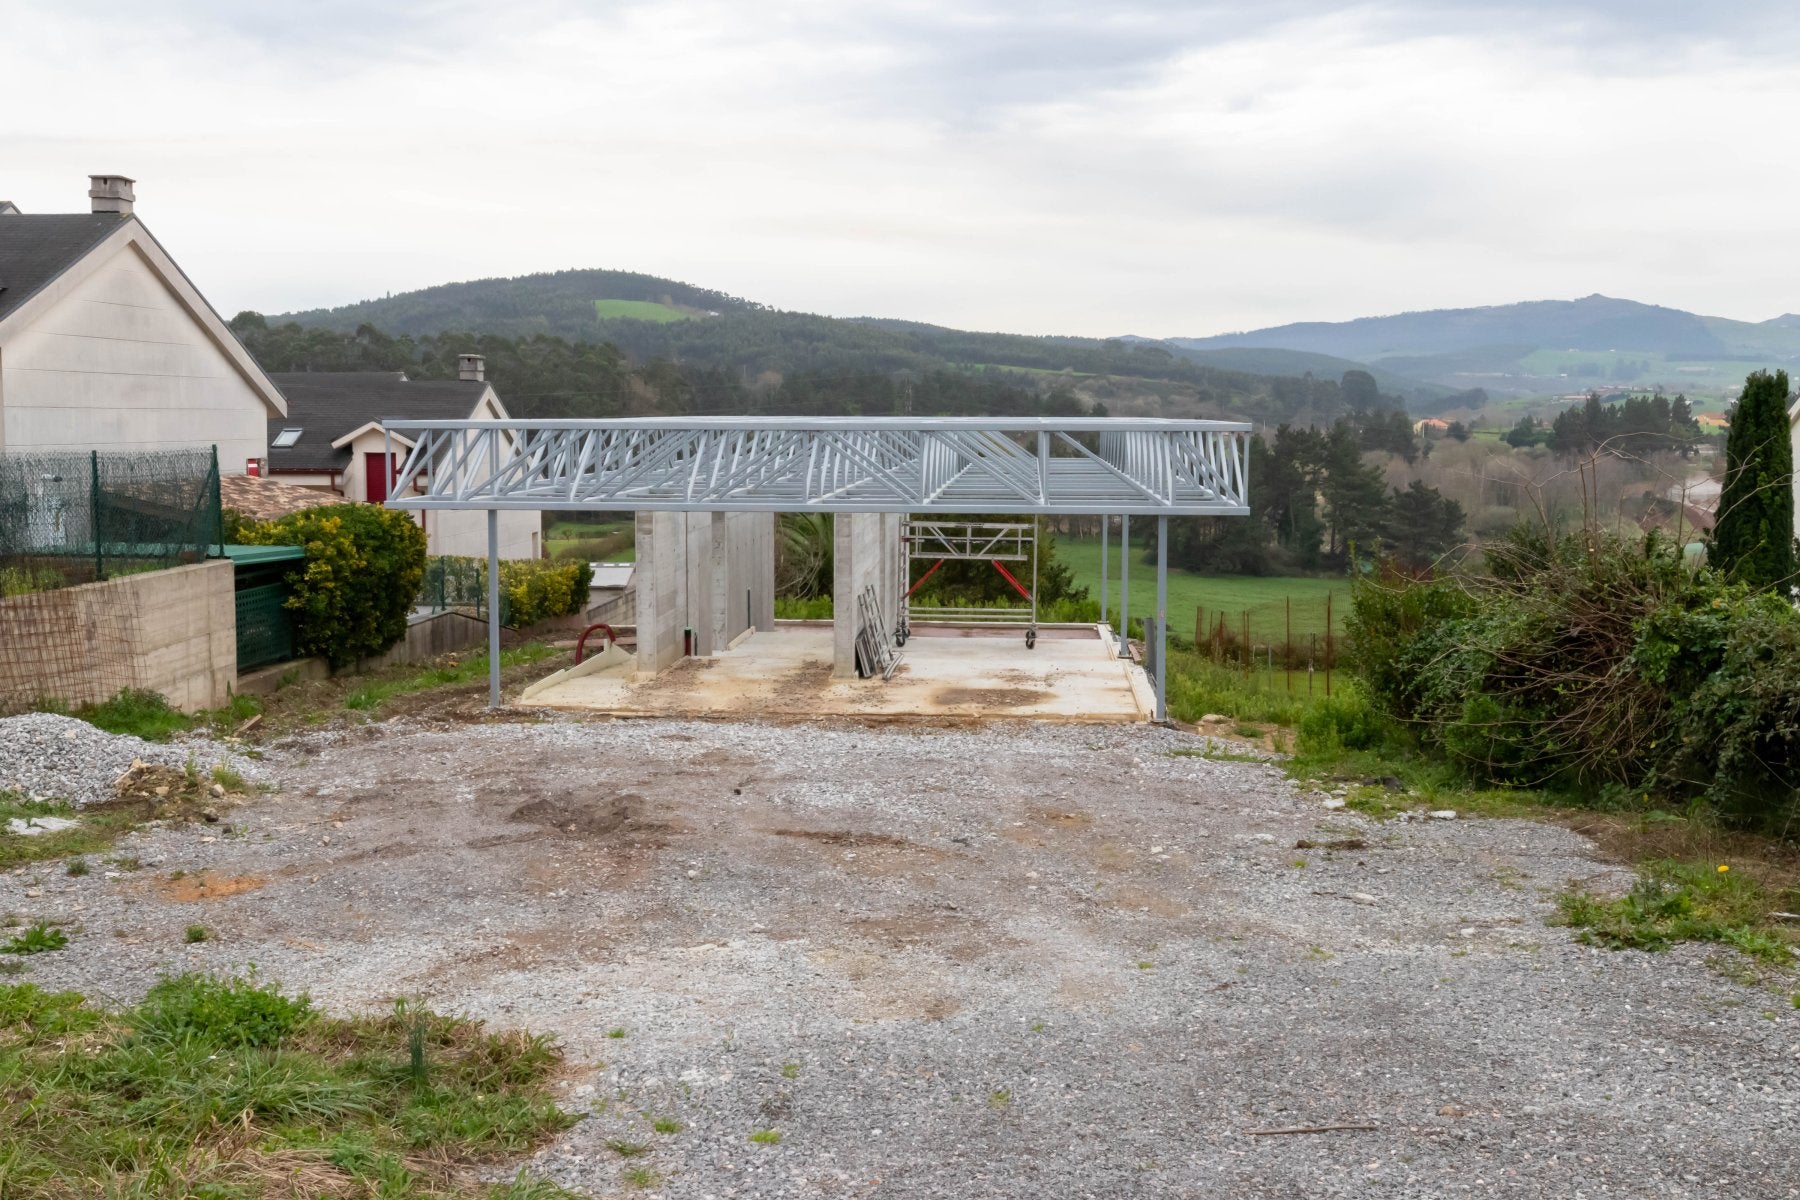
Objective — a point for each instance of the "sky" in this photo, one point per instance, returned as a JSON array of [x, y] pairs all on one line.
[[1163, 169]]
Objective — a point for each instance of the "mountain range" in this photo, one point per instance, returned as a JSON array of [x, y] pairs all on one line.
[[1432, 361]]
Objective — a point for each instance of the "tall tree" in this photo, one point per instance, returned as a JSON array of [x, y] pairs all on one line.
[[1753, 540]]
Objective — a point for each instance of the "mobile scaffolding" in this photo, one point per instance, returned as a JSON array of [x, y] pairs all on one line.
[[993, 542]]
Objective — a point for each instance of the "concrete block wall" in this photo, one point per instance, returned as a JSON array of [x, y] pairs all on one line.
[[173, 632], [866, 553], [713, 573]]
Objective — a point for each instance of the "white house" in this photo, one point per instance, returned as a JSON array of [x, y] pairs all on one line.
[[332, 439], [106, 345]]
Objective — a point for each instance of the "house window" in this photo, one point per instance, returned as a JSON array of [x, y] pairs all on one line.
[[286, 438]]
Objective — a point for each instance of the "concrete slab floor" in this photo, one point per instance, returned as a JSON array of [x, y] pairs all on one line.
[[1071, 675]]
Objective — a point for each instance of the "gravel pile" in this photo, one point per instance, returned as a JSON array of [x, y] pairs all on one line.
[[51, 757]]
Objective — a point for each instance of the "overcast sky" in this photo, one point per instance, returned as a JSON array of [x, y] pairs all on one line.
[[1157, 168]]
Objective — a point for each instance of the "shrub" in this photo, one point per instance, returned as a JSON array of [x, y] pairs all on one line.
[[362, 572], [1596, 667], [1345, 721], [532, 590]]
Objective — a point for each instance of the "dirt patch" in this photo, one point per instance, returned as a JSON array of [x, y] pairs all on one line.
[[590, 817], [848, 838], [204, 885], [804, 682], [1354, 843], [989, 697], [1133, 899], [1063, 820]]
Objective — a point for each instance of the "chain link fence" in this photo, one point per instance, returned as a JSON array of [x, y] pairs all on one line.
[[68, 519]]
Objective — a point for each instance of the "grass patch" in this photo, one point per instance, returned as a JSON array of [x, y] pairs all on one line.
[[197, 933], [37, 939], [94, 833], [1685, 902], [226, 1088], [144, 714], [640, 1176], [230, 780], [77, 867], [666, 1125], [627, 1149], [766, 1137], [470, 670], [1214, 755], [790, 1070], [1000, 1098], [637, 310]]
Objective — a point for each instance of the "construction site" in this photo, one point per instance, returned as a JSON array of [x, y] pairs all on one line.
[[707, 492]]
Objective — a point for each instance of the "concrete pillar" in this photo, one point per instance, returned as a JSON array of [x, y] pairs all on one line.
[[866, 546], [762, 555], [659, 598]]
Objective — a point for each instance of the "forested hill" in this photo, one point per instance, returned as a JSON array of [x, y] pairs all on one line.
[[707, 334], [562, 303]]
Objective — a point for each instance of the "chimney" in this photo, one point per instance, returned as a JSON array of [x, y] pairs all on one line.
[[471, 368], [110, 194]]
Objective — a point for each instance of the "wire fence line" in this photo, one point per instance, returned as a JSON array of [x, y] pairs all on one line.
[[1293, 645], [73, 518]]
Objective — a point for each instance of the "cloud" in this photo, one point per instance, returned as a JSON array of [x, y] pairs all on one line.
[[1152, 167]]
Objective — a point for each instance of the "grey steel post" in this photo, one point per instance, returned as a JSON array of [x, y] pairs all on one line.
[[493, 599], [1162, 618], [1104, 522], [1125, 586]]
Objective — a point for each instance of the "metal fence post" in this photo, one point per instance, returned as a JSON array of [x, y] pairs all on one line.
[[217, 490], [1104, 522], [94, 511]]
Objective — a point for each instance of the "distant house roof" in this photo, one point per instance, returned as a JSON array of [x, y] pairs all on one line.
[[327, 405], [36, 249], [265, 499]]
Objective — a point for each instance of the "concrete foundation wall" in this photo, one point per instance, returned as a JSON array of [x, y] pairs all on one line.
[[173, 632], [712, 573], [866, 554]]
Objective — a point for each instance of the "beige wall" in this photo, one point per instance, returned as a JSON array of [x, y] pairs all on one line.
[[172, 632], [117, 363]]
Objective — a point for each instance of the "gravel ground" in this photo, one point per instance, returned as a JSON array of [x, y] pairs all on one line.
[[1017, 960], [46, 756]]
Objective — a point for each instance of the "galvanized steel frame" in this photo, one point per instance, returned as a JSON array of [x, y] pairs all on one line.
[[828, 464]]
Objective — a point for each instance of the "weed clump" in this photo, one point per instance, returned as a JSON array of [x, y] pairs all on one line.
[[1681, 902]]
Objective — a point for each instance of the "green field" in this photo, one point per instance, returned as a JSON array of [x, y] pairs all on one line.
[[1265, 598], [565, 535], [637, 310]]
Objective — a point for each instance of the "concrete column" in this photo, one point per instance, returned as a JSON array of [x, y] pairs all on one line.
[[864, 550], [659, 598], [1162, 619], [762, 555]]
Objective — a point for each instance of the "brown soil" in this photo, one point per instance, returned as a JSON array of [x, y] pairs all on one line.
[[204, 885]]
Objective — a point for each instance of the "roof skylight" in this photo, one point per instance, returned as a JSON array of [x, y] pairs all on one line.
[[286, 438]]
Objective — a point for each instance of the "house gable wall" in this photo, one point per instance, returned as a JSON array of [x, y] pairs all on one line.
[[117, 362]]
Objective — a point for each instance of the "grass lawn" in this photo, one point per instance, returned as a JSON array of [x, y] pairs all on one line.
[[637, 310], [230, 1090], [1265, 597], [565, 535]]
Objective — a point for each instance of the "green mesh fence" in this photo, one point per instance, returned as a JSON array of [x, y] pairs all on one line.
[[76, 518]]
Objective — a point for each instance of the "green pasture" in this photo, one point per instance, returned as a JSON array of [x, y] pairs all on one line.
[[1266, 598], [637, 310]]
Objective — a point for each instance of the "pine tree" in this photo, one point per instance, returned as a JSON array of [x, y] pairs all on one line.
[[1753, 540]]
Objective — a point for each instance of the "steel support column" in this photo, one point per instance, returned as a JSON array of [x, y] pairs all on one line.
[[1104, 522], [1125, 586], [493, 601], [1162, 618]]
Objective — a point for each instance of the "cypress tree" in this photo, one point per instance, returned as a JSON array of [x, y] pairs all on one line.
[[1753, 540]]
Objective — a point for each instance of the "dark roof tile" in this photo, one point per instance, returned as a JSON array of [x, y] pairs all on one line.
[[325, 405], [35, 249]]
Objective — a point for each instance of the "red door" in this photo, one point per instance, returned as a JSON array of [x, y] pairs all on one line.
[[378, 476]]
